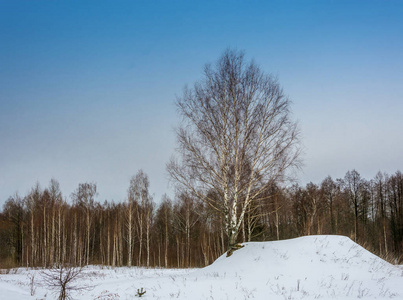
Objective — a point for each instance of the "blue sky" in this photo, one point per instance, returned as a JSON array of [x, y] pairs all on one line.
[[87, 88]]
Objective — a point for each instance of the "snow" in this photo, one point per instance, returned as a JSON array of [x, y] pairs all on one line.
[[312, 267]]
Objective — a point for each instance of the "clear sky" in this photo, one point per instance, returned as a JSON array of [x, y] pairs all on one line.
[[87, 88]]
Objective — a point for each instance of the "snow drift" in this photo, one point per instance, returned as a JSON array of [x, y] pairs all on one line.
[[310, 267], [313, 267]]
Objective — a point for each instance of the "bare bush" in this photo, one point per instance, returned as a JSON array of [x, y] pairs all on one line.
[[64, 280]]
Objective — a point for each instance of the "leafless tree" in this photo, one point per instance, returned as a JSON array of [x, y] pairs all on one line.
[[64, 280], [381, 195], [129, 224], [353, 182], [185, 218], [164, 221], [84, 198], [56, 199], [139, 186], [329, 187], [13, 210], [31, 202], [237, 137]]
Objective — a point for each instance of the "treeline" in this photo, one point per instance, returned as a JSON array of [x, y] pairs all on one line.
[[43, 227]]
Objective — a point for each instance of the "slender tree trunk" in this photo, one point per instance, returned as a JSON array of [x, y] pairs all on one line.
[[140, 239], [277, 225], [45, 246], [243, 231], [59, 235], [88, 238], [64, 240], [177, 251], [249, 218], [331, 216], [120, 237], [166, 242], [53, 236], [75, 237], [32, 240], [101, 238], [114, 251], [384, 236], [355, 221], [22, 245], [159, 252], [187, 232], [222, 241], [108, 245], [129, 234], [148, 238]]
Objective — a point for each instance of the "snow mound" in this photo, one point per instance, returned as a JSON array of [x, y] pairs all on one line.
[[308, 256], [311, 267]]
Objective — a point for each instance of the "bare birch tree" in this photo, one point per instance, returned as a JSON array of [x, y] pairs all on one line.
[[139, 185], [129, 224], [164, 218], [84, 198], [31, 202], [185, 218], [236, 138]]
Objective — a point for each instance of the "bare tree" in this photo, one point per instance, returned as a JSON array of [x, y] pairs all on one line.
[[139, 185], [329, 188], [84, 198], [64, 280], [353, 182], [395, 201], [31, 202], [129, 224], [185, 218], [56, 200], [236, 138], [381, 191], [164, 214], [14, 212]]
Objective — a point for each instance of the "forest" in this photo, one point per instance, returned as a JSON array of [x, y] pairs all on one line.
[[45, 227]]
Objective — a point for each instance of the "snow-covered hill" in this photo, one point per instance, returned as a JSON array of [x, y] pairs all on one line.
[[310, 267], [313, 267]]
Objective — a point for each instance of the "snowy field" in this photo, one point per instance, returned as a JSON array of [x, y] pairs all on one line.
[[314, 267]]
